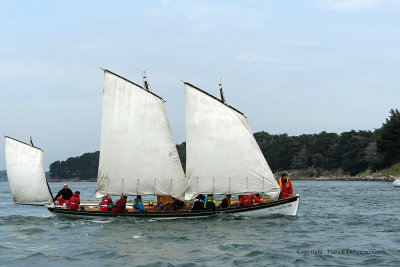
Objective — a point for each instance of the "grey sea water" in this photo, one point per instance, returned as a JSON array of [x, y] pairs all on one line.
[[338, 224]]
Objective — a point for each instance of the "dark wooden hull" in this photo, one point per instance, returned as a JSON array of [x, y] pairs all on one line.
[[286, 206]]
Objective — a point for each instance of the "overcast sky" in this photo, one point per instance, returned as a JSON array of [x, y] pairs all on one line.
[[291, 66]]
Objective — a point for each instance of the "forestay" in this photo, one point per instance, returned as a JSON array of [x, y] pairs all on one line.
[[138, 154], [25, 172], [222, 156]]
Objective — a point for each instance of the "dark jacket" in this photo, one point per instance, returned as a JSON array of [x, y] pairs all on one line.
[[198, 205], [64, 193], [226, 203], [210, 204]]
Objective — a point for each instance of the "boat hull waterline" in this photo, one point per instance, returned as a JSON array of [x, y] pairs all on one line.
[[288, 206]]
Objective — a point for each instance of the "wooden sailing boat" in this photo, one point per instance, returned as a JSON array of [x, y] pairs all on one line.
[[138, 155], [25, 171]]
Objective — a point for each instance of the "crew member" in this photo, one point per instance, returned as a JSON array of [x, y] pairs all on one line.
[[260, 197], [210, 204], [286, 186], [74, 201], [121, 204], [159, 205], [105, 204], [199, 203], [138, 205], [247, 200], [226, 202], [65, 194]]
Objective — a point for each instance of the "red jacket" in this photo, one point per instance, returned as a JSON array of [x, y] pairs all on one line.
[[105, 204], [120, 205], [286, 188], [247, 200], [74, 201]]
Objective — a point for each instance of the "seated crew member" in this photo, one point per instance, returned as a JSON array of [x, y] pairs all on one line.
[[65, 194], [260, 197], [121, 204], [105, 204], [210, 204], [199, 203], [159, 205], [168, 203], [247, 200], [226, 202], [178, 204], [138, 205], [74, 201], [286, 186]]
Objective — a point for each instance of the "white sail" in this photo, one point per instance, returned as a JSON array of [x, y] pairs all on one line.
[[222, 156], [25, 172], [138, 154]]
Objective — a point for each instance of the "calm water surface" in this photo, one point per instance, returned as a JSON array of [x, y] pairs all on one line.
[[334, 216]]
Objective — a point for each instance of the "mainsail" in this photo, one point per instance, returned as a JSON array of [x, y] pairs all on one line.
[[138, 154], [222, 156], [25, 172]]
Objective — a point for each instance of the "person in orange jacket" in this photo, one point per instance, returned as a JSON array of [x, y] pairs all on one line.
[[286, 186], [247, 200], [74, 201], [121, 204], [105, 203]]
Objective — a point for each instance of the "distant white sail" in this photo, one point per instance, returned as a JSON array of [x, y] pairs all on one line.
[[138, 154], [222, 156], [25, 172]]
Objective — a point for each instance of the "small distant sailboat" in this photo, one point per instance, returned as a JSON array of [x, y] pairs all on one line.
[[25, 171]]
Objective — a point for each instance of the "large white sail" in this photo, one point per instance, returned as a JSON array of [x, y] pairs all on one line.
[[222, 156], [25, 172], [138, 154]]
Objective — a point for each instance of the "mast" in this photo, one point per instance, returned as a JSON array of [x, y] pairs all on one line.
[[221, 91], [145, 81]]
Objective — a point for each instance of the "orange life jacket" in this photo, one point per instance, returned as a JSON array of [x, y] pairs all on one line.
[[74, 201], [104, 204]]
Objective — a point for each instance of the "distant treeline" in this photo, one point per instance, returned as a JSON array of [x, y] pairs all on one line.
[[352, 152]]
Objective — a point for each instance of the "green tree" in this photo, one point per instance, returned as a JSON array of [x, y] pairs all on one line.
[[388, 140]]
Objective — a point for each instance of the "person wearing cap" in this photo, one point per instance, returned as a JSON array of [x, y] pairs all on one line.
[[286, 186], [65, 194], [74, 201]]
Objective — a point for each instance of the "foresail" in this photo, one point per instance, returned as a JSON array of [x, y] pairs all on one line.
[[138, 154], [25, 172], [222, 156]]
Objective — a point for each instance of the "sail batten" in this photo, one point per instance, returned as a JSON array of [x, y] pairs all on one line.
[[138, 154], [25, 172], [222, 156]]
